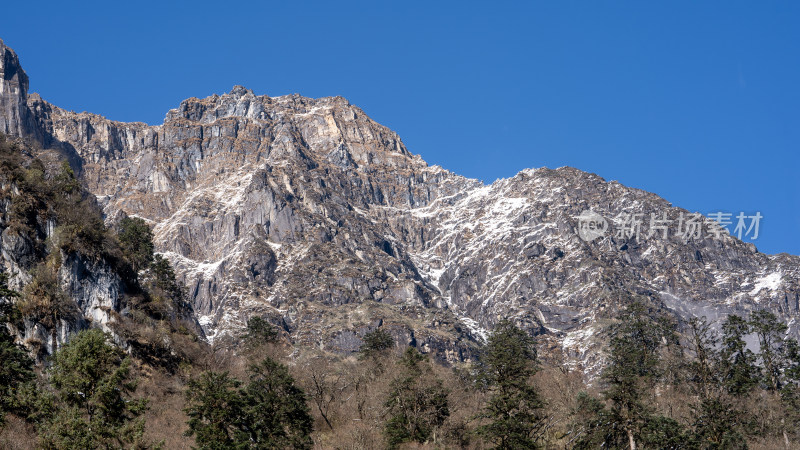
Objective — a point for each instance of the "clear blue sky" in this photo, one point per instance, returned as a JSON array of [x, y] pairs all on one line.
[[698, 102]]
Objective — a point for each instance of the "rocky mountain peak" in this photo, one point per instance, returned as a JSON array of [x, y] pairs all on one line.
[[311, 213], [240, 91], [11, 69], [14, 117]]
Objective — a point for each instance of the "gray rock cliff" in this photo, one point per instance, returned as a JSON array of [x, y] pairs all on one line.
[[308, 211]]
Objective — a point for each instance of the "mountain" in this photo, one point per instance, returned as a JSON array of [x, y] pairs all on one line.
[[310, 213]]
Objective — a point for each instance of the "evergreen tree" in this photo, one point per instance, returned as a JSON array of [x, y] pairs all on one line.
[[633, 369], [269, 412], [592, 423], [417, 403], [376, 342], [6, 298], [164, 278], [716, 420], [260, 331], [275, 413], [739, 371], [663, 432], [136, 240], [772, 349], [704, 367], [16, 368], [92, 382], [717, 424], [166, 298], [790, 392], [776, 354], [514, 411], [214, 406], [65, 183]]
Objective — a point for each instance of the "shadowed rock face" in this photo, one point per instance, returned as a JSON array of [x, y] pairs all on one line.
[[15, 118], [310, 212]]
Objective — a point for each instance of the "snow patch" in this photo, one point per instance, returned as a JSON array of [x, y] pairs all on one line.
[[771, 282], [476, 329], [192, 268]]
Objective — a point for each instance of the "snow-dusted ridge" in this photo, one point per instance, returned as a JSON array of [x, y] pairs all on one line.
[[309, 212]]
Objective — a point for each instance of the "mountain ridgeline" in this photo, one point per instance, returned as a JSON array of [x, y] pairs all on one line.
[[307, 212]]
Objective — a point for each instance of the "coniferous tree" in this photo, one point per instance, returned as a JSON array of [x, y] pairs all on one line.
[[93, 405], [376, 342], [16, 368], [771, 347], [164, 278], [776, 354], [633, 369], [716, 420], [739, 371], [592, 423], [214, 406], [165, 298], [269, 412], [515, 408], [259, 331], [790, 392], [136, 240], [65, 183], [275, 413]]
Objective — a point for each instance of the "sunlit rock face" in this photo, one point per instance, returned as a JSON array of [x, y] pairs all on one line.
[[308, 211]]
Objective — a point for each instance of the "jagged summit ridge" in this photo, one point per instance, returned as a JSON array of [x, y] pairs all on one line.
[[312, 213]]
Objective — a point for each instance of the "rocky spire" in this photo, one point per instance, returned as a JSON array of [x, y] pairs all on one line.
[[15, 117], [240, 91]]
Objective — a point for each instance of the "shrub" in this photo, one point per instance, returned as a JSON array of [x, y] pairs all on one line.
[[44, 301], [376, 342]]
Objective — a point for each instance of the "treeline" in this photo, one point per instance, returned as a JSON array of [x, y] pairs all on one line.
[[699, 389], [665, 385]]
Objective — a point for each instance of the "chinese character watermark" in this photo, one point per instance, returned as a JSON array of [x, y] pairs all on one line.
[[688, 227], [754, 222]]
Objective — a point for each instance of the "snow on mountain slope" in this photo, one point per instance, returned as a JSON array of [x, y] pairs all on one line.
[[308, 211]]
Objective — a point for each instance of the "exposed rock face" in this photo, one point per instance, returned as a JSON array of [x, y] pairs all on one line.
[[512, 249], [309, 211], [97, 291], [92, 286], [15, 118]]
